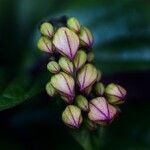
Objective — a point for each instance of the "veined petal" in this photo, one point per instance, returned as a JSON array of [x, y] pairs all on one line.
[[101, 111], [53, 67], [80, 59], [66, 42], [66, 65], [44, 44], [50, 89], [64, 83], [72, 116], [86, 76]]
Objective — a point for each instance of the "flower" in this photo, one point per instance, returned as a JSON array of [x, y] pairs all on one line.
[[115, 93], [64, 84], [99, 75], [50, 89], [47, 29], [66, 42], [80, 59], [101, 111], [45, 44], [82, 102], [86, 37], [72, 116], [86, 76], [53, 67], [73, 24], [66, 65], [99, 88]]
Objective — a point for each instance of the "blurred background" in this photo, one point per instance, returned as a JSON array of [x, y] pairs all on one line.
[[122, 52]]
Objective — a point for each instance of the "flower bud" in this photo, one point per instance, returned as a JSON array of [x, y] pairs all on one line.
[[72, 116], [101, 111], [53, 67], [44, 44], [66, 42], [47, 29], [66, 65], [80, 59], [99, 89], [64, 84], [73, 24], [50, 89], [82, 103], [115, 93], [86, 37], [90, 57], [86, 76], [99, 75]]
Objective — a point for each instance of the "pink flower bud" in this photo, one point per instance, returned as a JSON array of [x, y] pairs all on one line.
[[72, 116], [115, 93], [101, 111], [86, 76], [66, 42], [64, 84]]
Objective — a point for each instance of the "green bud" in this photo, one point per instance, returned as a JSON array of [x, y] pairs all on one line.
[[44, 44], [82, 103], [99, 89], [50, 89], [53, 67], [99, 75], [115, 93], [90, 57], [73, 24], [86, 37], [66, 65], [47, 29], [72, 116], [80, 59]]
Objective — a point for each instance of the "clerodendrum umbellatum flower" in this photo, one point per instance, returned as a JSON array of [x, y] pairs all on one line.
[[47, 29], [45, 44], [75, 78], [73, 24], [82, 102], [115, 93], [99, 88], [53, 67], [101, 111], [50, 89], [80, 59], [66, 42], [86, 76], [64, 84], [86, 37], [66, 65], [72, 116]]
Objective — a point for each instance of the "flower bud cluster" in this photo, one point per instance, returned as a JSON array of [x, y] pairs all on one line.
[[75, 78]]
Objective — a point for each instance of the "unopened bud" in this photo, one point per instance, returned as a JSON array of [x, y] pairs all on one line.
[[44, 44], [47, 29], [90, 57], [99, 88], [82, 103], [50, 89], [64, 83], [66, 65], [53, 67], [115, 93], [101, 111], [99, 75], [72, 116], [86, 76], [86, 37], [66, 42], [73, 24], [80, 59]]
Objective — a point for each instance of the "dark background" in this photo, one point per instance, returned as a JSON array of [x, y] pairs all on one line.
[[122, 52]]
